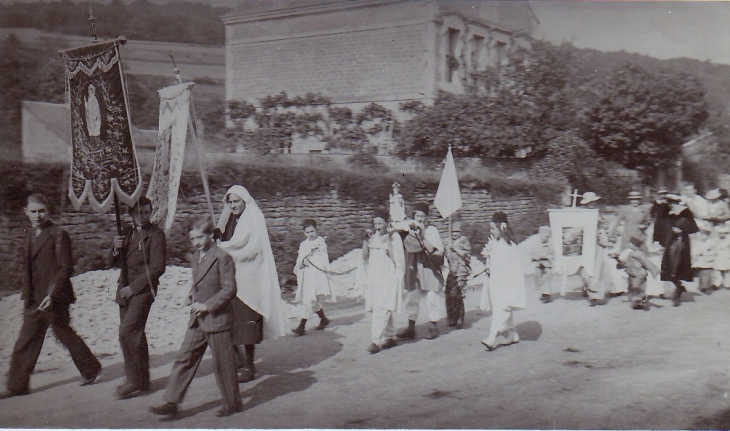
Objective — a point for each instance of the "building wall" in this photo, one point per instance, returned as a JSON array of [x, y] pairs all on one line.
[[377, 53]]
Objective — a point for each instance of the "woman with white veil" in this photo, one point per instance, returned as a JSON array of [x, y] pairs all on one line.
[[257, 311]]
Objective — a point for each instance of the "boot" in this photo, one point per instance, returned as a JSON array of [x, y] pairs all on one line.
[[299, 330], [323, 320], [408, 333]]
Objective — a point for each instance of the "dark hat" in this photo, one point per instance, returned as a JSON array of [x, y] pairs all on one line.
[[673, 197], [381, 213], [309, 222], [421, 206], [499, 217]]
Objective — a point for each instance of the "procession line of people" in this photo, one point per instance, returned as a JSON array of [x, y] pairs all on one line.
[[235, 298]]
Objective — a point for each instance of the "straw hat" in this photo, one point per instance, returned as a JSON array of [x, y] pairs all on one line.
[[589, 197], [713, 194]]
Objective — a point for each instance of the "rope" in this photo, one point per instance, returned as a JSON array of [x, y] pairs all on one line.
[[331, 272]]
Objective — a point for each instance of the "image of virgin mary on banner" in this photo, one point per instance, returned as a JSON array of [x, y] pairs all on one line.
[[104, 161], [171, 137]]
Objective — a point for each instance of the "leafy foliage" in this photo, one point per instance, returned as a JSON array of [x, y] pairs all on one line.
[[280, 119], [505, 113], [640, 119]]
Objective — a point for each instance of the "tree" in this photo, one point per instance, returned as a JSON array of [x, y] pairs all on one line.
[[640, 119], [506, 111]]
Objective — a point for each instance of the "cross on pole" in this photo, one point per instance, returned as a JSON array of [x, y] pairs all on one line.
[[91, 20], [575, 196]]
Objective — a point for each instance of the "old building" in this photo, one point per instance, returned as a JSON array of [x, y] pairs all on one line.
[[361, 51]]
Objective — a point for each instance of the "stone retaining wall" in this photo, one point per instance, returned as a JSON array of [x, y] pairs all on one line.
[[340, 220]]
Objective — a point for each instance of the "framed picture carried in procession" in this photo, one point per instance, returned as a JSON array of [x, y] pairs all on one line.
[[574, 234]]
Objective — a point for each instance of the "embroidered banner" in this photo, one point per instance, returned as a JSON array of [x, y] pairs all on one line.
[[104, 160], [165, 181]]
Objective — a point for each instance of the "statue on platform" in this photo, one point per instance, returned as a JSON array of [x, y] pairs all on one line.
[[397, 205]]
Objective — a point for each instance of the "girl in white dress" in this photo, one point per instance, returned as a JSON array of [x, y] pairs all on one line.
[[505, 290], [312, 281], [381, 277]]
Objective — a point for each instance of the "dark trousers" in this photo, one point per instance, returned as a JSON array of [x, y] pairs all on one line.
[[189, 357], [133, 339], [30, 341]]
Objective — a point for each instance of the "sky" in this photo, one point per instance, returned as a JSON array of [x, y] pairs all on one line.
[[661, 29]]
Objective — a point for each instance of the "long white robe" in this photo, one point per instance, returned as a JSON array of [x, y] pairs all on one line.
[[505, 289], [256, 277], [381, 275], [311, 280]]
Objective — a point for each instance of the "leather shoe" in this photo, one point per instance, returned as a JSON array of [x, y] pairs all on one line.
[[227, 411], [128, 391], [89, 380], [433, 332], [167, 409], [373, 348]]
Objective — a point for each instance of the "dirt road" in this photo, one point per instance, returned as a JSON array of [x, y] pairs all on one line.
[[577, 367]]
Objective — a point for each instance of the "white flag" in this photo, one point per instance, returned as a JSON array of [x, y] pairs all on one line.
[[448, 197], [165, 181]]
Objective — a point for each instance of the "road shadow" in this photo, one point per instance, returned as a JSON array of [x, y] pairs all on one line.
[[116, 371], [277, 386], [530, 330]]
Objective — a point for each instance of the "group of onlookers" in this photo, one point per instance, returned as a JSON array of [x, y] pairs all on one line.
[[678, 241]]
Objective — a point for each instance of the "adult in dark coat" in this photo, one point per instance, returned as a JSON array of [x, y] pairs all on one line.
[[662, 226], [677, 259], [141, 254], [211, 321], [47, 294]]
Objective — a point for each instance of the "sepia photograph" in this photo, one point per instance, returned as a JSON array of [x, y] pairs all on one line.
[[364, 214]]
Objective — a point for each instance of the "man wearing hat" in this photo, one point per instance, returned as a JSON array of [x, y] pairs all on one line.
[[635, 218], [659, 210], [425, 273]]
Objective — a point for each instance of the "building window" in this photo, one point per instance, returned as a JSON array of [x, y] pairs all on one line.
[[452, 63]]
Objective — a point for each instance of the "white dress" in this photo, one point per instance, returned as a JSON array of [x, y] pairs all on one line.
[[505, 288], [311, 280], [381, 275]]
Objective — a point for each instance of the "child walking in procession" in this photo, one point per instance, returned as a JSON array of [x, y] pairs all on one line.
[[458, 254], [639, 268], [542, 256], [380, 275], [312, 281], [505, 291]]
